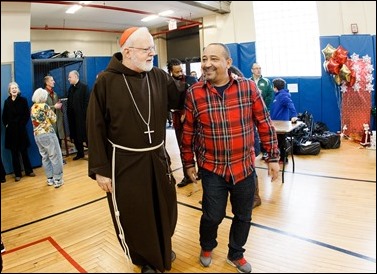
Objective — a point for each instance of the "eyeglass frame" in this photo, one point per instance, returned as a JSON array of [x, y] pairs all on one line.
[[145, 50]]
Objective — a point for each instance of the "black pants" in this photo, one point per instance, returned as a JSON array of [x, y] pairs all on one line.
[[16, 161], [2, 171], [282, 146], [80, 147]]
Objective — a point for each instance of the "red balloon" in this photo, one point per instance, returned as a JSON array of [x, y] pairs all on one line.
[[333, 66], [349, 63], [341, 50], [341, 59], [340, 55]]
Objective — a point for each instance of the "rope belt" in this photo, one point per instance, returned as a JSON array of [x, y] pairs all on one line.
[[116, 211]]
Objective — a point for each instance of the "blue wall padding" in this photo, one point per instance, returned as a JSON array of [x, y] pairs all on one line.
[[234, 49], [155, 60], [308, 99], [23, 77], [247, 58], [243, 56], [94, 66]]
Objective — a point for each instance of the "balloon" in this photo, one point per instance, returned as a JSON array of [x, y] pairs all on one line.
[[340, 58], [352, 79], [337, 80], [333, 66], [345, 73], [341, 50], [349, 63], [340, 55], [328, 51]]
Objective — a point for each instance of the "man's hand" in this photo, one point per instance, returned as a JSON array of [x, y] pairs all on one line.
[[183, 116], [273, 170], [104, 183], [58, 105], [191, 172]]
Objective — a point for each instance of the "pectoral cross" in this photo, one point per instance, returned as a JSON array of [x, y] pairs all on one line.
[[149, 131]]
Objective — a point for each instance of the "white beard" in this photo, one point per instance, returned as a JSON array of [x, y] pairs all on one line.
[[143, 66]]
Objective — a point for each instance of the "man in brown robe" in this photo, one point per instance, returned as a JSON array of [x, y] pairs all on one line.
[[126, 123]]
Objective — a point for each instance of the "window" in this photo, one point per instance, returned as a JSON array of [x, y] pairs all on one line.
[[287, 38]]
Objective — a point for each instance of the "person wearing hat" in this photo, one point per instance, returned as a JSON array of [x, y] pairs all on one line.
[[126, 127]]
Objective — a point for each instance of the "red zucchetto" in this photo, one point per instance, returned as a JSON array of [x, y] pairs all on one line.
[[126, 34]]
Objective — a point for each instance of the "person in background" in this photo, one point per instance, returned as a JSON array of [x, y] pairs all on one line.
[[263, 84], [15, 118], [257, 199], [56, 105], [77, 104], [194, 74], [126, 121], [43, 118], [282, 108], [219, 132], [175, 70], [267, 90]]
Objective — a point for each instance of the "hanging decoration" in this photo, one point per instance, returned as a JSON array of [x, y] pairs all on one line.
[[353, 73], [353, 77]]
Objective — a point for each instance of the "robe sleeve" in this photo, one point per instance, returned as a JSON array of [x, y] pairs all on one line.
[[99, 162]]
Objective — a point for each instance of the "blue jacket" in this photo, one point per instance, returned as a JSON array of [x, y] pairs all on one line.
[[282, 107]]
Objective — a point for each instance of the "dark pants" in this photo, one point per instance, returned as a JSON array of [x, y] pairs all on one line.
[[2, 171], [80, 148], [282, 146], [16, 161], [178, 128], [214, 202]]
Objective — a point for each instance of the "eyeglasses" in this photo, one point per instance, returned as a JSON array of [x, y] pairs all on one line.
[[145, 50]]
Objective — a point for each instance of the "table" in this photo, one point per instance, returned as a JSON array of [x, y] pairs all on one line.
[[286, 128]]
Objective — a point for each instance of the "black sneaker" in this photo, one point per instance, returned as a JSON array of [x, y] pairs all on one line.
[[148, 269], [77, 157], [2, 247], [185, 181]]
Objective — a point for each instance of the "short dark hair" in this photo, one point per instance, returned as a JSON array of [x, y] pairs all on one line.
[[173, 62], [227, 54], [236, 71], [278, 83]]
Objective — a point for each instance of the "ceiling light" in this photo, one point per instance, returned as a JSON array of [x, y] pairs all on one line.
[[166, 12], [149, 18], [73, 9], [76, 7]]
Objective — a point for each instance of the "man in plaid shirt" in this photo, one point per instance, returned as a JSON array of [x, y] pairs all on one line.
[[218, 131]]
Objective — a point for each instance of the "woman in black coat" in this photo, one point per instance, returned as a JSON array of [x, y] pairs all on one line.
[[16, 115]]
